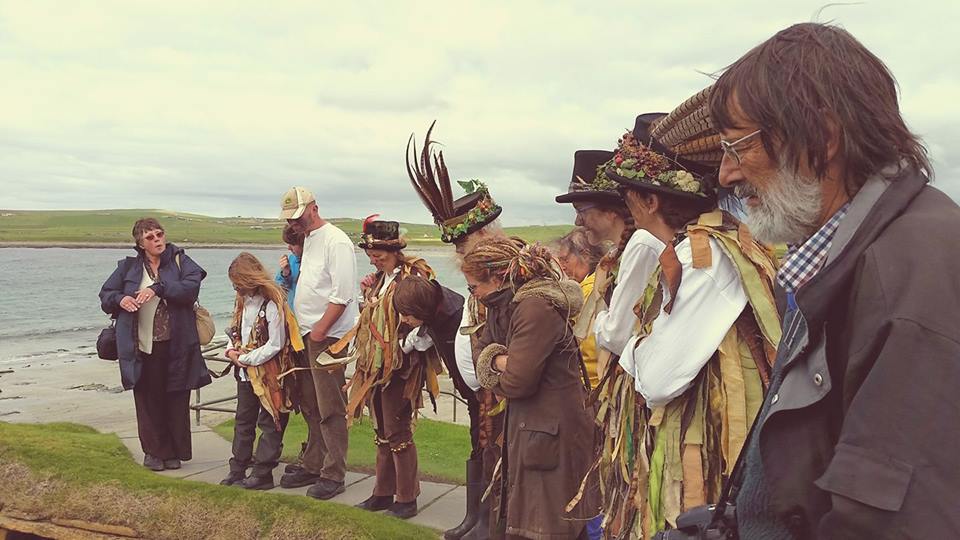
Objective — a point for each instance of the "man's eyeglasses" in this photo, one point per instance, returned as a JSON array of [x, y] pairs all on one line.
[[730, 148], [154, 236]]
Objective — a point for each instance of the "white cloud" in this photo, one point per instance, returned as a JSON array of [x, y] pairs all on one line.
[[218, 107]]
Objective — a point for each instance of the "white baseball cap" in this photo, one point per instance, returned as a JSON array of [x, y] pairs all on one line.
[[294, 202]]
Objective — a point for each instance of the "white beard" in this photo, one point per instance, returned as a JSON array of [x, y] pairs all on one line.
[[789, 209]]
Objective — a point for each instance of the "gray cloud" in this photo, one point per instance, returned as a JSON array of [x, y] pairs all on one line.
[[217, 109]]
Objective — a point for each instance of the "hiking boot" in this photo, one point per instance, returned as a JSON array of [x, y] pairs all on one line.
[[171, 464], [376, 503], [325, 489], [298, 479], [292, 468], [153, 463], [260, 483], [232, 479], [401, 510]]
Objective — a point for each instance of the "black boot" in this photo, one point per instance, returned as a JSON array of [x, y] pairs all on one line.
[[481, 531], [474, 491], [375, 503], [401, 510]]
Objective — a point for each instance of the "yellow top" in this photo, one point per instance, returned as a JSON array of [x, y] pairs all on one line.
[[588, 347]]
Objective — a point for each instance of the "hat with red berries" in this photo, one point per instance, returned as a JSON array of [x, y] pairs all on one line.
[[638, 166], [455, 218], [589, 183]]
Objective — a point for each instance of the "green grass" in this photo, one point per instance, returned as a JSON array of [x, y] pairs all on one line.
[[113, 226], [73, 472], [442, 448]]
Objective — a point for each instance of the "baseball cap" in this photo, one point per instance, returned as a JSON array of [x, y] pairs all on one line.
[[294, 202]]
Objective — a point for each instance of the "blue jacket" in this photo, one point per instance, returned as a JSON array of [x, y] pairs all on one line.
[[179, 287], [289, 283]]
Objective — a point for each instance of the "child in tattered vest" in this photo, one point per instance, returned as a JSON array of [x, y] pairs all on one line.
[[261, 350]]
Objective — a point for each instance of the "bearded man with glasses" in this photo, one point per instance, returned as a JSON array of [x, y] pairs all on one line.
[[856, 437]]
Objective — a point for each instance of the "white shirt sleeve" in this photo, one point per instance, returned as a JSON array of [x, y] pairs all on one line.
[[640, 258], [343, 273], [278, 335], [463, 351], [415, 341], [680, 343]]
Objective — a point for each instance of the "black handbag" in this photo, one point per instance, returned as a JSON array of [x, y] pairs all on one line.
[[107, 342]]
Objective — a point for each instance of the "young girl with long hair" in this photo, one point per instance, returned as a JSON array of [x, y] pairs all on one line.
[[260, 349]]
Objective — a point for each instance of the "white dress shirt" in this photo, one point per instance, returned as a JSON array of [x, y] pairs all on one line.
[[328, 275], [680, 343], [275, 327], [640, 258], [463, 351]]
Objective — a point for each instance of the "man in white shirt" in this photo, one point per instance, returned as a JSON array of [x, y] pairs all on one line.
[[326, 308]]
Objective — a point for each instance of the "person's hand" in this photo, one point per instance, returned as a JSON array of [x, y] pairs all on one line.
[[500, 363], [234, 356], [317, 334], [346, 387], [129, 304], [284, 265], [145, 295], [368, 280]]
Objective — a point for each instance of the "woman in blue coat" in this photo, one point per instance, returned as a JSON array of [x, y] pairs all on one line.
[[152, 297]]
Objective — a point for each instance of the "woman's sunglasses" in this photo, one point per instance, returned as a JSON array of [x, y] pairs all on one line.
[[154, 236]]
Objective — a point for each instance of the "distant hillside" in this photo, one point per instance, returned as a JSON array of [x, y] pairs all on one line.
[[113, 226]]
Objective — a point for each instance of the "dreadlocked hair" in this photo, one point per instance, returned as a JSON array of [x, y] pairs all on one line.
[[511, 260], [612, 256], [247, 273]]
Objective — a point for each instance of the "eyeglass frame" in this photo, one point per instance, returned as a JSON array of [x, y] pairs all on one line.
[[730, 148], [154, 235]]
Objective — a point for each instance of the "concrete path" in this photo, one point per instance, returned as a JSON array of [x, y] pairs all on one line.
[[441, 505]]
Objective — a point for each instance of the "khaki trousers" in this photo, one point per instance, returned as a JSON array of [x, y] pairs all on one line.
[[323, 404]]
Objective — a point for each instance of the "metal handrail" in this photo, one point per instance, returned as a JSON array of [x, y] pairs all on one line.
[[209, 354]]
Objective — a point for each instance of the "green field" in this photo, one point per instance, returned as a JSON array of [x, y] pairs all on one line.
[[442, 448], [69, 471], [113, 227]]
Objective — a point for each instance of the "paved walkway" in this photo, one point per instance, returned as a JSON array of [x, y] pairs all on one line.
[[441, 505]]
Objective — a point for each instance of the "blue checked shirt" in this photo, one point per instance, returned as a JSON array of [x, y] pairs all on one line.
[[804, 261]]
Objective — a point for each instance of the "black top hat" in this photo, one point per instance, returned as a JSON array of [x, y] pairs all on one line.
[[589, 184], [383, 235]]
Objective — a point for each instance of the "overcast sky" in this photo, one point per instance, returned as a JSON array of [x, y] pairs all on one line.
[[219, 107]]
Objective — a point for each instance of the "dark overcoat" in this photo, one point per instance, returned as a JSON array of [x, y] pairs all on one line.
[[179, 287]]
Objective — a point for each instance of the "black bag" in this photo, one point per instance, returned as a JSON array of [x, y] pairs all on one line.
[[107, 342]]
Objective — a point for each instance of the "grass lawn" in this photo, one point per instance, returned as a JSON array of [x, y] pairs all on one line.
[[70, 471], [442, 448], [113, 226]]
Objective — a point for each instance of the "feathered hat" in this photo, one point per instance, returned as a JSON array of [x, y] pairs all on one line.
[[378, 234], [430, 179]]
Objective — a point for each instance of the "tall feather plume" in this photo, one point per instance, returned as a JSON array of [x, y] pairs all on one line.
[[416, 177], [369, 220], [431, 181]]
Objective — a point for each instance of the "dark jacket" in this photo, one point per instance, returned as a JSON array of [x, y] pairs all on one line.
[[443, 330], [548, 437], [179, 287], [861, 438]]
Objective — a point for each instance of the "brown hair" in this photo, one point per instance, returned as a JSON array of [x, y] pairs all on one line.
[[578, 243], [291, 236], [792, 82], [677, 212], [144, 225], [248, 273], [514, 261], [418, 296]]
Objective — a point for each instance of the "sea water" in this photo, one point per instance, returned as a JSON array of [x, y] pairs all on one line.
[[49, 306]]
